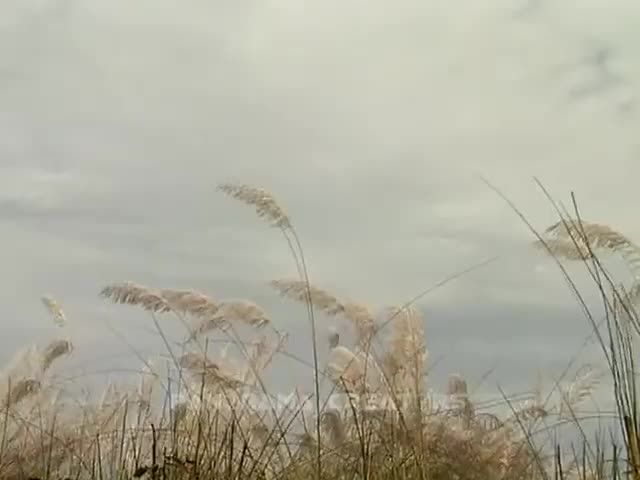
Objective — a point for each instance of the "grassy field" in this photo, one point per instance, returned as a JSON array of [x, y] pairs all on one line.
[[210, 415]]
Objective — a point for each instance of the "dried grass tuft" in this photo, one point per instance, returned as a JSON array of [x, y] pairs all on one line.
[[210, 432]]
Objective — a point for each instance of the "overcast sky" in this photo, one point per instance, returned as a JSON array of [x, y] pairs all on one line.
[[372, 122]]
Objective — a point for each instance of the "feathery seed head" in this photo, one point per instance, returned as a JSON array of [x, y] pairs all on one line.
[[189, 302], [334, 338], [133, 294], [21, 390], [244, 311], [457, 385], [53, 307], [266, 205], [55, 350], [301, 292]]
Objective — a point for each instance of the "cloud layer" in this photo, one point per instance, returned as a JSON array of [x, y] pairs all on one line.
[[372, 122]]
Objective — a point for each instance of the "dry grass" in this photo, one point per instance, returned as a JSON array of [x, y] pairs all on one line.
[[383, 423]]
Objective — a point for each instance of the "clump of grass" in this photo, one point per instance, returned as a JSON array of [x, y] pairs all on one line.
[[379, 420]]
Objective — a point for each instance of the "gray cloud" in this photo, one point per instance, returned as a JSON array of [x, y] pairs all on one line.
[[372, 125]]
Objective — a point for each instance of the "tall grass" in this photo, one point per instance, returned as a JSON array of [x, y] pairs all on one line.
[[377, 418]]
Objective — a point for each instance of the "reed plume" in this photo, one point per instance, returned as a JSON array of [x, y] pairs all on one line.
[[22, 389], [260, 356], [405, 359], [54, 350], [346, 369], [267, 207], [213, 373], [131, 293], [586, 381], [359, 315], [245, 312], [189, 302], [573, 239], [54, 308], [297, 290]]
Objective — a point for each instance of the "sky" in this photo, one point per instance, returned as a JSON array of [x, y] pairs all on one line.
[[372, 122]]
